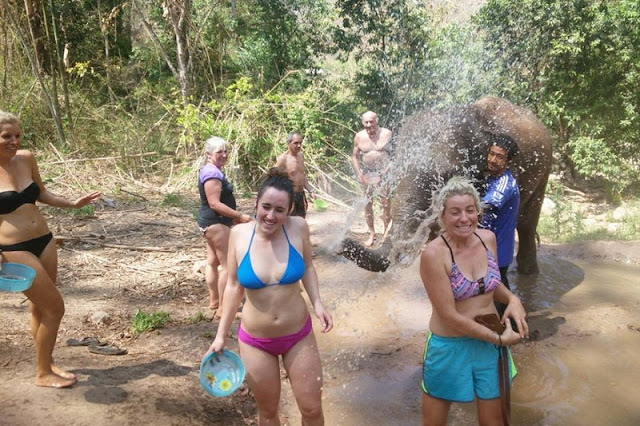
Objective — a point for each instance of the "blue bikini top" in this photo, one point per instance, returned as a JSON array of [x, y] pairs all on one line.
[[293, 273], [11, 200]]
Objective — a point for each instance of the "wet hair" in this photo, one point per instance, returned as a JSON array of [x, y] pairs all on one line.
[[277, 178], [8, 118], [291, 135], [505, 142], [457, 185]]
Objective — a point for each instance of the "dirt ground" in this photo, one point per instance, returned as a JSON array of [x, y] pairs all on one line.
[[140, 255]]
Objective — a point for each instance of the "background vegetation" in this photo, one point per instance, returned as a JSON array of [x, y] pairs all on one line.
[[147, 81]]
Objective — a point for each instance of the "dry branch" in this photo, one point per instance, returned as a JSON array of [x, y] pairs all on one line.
[[109, 245], [113, 157]]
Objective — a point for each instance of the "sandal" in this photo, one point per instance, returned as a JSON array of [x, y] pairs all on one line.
[[85, 341], [105, 349]]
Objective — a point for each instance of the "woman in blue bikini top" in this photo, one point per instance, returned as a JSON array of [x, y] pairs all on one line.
[[292, 274], [266, 260]]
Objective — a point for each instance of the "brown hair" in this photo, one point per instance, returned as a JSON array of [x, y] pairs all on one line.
[[277, 178]]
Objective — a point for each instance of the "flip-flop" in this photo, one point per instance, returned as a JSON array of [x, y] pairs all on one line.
[[107, 350], [85, 341]]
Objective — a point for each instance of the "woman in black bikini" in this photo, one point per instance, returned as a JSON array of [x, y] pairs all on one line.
[[25, 238]]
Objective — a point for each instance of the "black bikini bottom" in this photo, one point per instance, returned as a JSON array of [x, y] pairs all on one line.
[[35, 245]]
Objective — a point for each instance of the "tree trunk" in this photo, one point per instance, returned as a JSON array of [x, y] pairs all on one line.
[[179, 12], [107, 59], [154, 39], [34, 19], [51, 57], [59, 62], [37, 72]]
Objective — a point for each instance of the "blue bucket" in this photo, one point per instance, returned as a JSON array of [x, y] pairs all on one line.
[[221, 374], [16, 277]]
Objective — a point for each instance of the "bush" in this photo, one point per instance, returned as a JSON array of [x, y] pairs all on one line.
[[142, 321], [565, 221]]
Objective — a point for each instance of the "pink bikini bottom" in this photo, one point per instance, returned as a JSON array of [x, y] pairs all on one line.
[[275, 345]]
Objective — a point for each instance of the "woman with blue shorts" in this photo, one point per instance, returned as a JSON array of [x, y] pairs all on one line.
[[460, 274]]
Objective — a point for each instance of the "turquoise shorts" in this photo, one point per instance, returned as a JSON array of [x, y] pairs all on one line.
[[459, 369]]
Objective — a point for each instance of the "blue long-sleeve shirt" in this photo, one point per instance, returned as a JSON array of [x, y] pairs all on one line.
[[503, 196]]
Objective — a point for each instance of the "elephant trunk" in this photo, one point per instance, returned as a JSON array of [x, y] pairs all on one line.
[[372, 260]]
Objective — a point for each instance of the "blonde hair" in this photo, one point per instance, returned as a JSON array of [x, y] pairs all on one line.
[[8, 118], [457, 185], [211, 145], [214, 144]]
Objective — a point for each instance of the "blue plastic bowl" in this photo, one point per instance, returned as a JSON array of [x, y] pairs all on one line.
[[16, 277], [221, 374]]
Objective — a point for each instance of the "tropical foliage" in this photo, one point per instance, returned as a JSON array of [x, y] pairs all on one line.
[[105, 77]]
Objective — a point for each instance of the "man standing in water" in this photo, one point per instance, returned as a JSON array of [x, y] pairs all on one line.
[[501, 201], [293, 162], [374, 144]]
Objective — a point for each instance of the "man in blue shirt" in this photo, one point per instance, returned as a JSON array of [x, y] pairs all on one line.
[[501, 201]]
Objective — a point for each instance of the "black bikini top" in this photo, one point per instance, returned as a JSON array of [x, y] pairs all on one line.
[[11, 200]]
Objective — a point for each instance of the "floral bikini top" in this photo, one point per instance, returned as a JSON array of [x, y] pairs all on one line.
[[464, 288]]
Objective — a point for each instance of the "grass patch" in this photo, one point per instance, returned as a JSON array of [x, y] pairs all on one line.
[[86, 211], [568, 224], [198, 317], [173, 200], [142, 321]]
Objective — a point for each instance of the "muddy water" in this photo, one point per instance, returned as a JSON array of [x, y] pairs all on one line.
[[579, 368]]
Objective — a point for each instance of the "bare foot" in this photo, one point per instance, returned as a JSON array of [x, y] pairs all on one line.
[[214, 306], [52, 380], [62, 373], [370, 241], [386, 231]]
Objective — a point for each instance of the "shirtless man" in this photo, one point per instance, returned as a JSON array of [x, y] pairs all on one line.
[[293, 162], [373, 143]]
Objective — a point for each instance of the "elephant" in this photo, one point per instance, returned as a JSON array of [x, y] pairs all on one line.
[[431, 147]]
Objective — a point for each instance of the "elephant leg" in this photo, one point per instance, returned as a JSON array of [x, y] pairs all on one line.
[[527, 257]]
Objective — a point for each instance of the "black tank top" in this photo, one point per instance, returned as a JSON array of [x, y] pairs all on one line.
[[206, 215]]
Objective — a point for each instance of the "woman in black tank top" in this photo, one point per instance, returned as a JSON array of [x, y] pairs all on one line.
[[216, 216]]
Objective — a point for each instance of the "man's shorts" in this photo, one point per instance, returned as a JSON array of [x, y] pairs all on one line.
[[459, 369], [299, 204]]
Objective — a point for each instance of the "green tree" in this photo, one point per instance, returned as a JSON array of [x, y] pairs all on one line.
[[577, 63], [390, 42]]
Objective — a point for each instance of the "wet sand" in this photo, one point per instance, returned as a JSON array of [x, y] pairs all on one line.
[[580, 366]]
